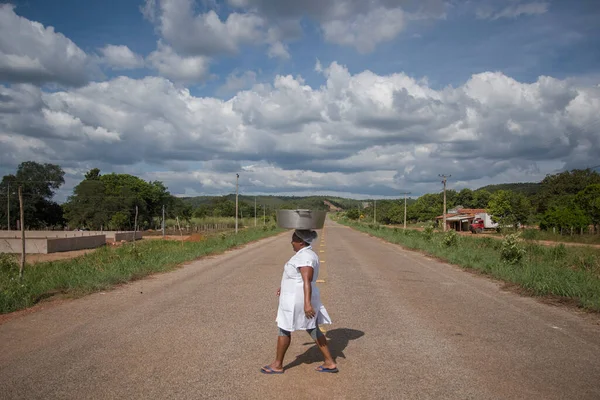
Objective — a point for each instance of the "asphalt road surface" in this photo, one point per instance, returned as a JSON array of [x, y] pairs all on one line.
[[405, 327]]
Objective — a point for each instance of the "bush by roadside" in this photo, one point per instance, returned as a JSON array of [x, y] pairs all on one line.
[[571, 273], [107, 267]]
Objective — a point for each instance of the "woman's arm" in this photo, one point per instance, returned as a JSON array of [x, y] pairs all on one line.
[[307, 277]]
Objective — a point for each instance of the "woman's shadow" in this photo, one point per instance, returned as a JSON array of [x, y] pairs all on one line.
[[337, 339]]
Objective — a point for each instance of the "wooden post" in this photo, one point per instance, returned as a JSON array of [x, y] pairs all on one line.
[[22, 212], [180, 233], [163, 221], [8, 206], [135, 224]]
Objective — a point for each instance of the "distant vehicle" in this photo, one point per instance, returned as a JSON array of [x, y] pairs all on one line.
[[483, 222]]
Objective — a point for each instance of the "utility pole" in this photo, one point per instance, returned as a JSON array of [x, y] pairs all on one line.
[[405, 193], [163, 222], [444, 180], [255, 211], [237, 179], [8, 205], [135, 225], [22, 212], [375, 211]]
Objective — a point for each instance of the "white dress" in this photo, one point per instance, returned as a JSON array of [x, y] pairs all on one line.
[[290, 314]]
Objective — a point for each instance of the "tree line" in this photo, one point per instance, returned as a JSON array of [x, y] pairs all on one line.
[[102, 201], [562, 201]]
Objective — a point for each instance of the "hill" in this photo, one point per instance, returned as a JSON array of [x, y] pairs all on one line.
[[527, 188], [279, 202]]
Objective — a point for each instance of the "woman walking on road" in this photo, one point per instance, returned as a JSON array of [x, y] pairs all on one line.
[[300, 305]]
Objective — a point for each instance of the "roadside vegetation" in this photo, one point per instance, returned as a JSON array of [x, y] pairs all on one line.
[[108, 266], [564, 273]]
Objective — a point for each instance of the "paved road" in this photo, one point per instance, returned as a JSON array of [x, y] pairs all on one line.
[[405, 327]]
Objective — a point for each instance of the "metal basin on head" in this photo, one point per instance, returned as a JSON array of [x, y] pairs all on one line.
[[301, 219]]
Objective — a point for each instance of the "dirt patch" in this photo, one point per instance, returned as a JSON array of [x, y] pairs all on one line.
[[167, 237], [196, 237]]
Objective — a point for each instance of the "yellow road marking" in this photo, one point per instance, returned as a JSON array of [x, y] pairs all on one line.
[[322, 251], [320, 281], [322, 261]]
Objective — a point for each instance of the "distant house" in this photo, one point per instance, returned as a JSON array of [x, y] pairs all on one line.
[[459, 218]]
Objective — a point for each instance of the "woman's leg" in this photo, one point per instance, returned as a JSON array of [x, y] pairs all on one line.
[[283, 342], [321, 341]]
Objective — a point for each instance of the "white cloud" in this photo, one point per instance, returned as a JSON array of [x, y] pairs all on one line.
[[32, 53], [517, 9], [362, 133], [178, 68], [121, 57], [236, 81], [279, 50], [360, 24], [203, 34], [148, 10], [365, 31]]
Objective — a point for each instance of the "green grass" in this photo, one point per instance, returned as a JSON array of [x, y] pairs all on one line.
[[106, 267], [568, 273], [535, 234], [224, 223]]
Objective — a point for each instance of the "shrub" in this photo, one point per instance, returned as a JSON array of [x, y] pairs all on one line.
[[428, 232], [353, 214], [589, 263], [450, 238], [490, 243], [558, 252], [8, 263], [530, 234], [512, 251]]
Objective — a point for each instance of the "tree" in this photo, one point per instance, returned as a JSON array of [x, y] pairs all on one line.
[[466, 198], [430, 205], [558, 189], [509, 208], [564, 218], [390, 212], [88, 206], [180, 208], [93, 174], [120, 221], [98, 198], [223, 207], [39, 183], [481, 198], [589, 201]]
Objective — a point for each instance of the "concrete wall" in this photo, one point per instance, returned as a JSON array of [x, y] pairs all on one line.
[[41, 234], [127, 236], [32, 246], [51, 245], [75, 243], [113, 235]]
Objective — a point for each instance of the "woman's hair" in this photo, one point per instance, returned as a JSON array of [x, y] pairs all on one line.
[[306, 235]]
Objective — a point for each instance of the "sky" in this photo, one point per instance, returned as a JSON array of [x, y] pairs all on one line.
[[356, 98]]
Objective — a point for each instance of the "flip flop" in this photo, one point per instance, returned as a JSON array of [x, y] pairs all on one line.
[[330, 370], [267, 370]]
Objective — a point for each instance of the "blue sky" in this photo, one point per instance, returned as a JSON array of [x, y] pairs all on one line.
[[561, 42], [377, 117]]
